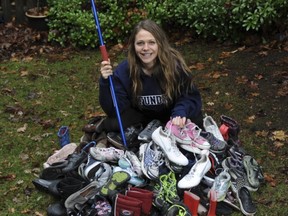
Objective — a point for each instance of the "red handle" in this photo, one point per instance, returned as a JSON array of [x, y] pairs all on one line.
[[104, 53]]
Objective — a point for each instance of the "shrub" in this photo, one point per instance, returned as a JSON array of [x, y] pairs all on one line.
[[72, 21]]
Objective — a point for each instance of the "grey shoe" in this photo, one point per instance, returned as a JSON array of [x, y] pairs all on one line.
[[252, 169], [146, 134], [217, 146], [82, 196]]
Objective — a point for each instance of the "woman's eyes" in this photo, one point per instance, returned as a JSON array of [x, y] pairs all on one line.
[[141, 43]]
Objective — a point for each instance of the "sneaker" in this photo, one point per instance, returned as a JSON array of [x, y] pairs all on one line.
[[191, 148], [106, 154], [117, 180], [236, 151], [172, 166], [102, 206], [211, 126], [252, 169], [74, 160], [159, 197], [168, 146], [178, 133], [217, 146], [135, 162], [131, 135], [151, 160], [239, 179], [170, 186], [90, 168], [245, 200], [134, 180], [146, 134], [178, 208], [194, 133], [103, 174], [197, 172], [61, 154], [221, 185], [230, 162]]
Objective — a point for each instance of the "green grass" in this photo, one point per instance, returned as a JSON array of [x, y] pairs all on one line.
[[45, 93]]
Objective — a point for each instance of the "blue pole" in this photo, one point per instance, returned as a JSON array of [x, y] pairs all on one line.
[[105, 58]]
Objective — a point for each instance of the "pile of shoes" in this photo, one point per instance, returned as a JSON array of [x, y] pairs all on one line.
[[165, 170]]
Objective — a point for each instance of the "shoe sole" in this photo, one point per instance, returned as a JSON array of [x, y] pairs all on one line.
[[242, 208], [117, 179]]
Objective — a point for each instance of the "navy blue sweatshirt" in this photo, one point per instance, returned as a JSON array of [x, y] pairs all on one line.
[[151, 102]]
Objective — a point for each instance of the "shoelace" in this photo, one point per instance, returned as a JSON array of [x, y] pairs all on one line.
[[195, 131], [181, 210], [172, 189], [157, 158]]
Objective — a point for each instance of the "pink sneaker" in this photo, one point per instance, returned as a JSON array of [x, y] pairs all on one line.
[[178, 133], [193, 132]]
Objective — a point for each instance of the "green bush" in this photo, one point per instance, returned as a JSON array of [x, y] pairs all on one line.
[[72, 22]]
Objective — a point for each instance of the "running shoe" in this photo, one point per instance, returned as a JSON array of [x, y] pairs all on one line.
[[194, 132], [146, 134], [197, 172], [221, 185], [106, 154], [178, 133], [167, 144], [211, 126]]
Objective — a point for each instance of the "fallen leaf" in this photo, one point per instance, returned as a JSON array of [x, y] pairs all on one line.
[[22, 129], [198, 66], [210, 103], [262, 133], [225, 54], [278, 144], [24, 73], [228, 106], [254, 94], [279, 135], [250, 119], [241, 80]]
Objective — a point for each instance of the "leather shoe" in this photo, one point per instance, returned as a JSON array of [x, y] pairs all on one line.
[[56, 209]]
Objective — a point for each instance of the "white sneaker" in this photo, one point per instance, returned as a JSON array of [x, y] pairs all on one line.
[[210, 126], [168, 146], [221, 185], [197, 172]]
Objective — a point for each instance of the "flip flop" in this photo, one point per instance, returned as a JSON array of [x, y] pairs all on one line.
[[117, 180]]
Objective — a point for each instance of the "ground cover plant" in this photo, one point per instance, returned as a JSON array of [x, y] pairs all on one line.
[[40, 93]]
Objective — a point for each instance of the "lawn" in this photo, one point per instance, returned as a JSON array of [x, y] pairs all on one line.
[[41, 93]]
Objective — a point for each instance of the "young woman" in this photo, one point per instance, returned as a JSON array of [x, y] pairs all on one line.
[[154, 82]]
